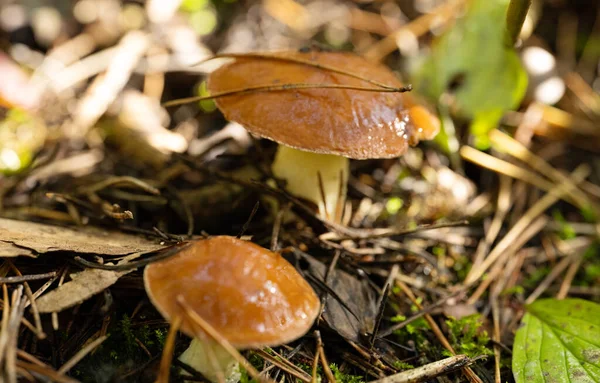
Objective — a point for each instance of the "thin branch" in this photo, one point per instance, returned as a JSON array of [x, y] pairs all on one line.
[[515, 17]]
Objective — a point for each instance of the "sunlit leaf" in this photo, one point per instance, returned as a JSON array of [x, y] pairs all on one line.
[[21, 135], [205, 105], [191, 6], [559, 341], [472, 62]]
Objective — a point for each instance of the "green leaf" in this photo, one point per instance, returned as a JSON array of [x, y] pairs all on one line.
[[559, 341], [472, 55]]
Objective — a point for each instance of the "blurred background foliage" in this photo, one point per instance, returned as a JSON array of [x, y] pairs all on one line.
[[454, 52]]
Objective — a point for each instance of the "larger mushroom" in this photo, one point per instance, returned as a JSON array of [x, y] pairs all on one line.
[[319, 129], [250, 295]]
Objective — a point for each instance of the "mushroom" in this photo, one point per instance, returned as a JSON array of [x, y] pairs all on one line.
[[319, 129], [250, 295]]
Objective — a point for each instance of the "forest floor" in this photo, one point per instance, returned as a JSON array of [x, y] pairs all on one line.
[[439, 252]]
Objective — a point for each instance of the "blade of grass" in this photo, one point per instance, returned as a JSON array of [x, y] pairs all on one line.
[[515, 17]]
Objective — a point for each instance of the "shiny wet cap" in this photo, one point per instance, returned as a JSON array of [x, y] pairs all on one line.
[[250, 295], [350, 123]]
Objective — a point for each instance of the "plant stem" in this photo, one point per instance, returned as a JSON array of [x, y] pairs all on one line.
[[515, 17]]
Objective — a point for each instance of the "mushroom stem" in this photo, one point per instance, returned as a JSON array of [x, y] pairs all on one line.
[[301, 170], [199, 354]]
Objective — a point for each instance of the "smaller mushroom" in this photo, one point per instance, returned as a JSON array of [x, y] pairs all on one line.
[[253, 297]]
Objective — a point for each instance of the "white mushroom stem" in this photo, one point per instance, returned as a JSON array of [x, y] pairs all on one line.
[[300, 169], [198, 355]]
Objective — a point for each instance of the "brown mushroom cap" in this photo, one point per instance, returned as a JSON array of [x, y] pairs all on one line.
[[250, 295], [350, 123]]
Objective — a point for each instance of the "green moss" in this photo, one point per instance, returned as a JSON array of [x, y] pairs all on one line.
[[342, 377], [415, 330], [402, 366], [590, 274], [535, 278], [566, 231], [121, 352], [439, 251], [466, 337], [257, 362], [461, 267], [515, 290]]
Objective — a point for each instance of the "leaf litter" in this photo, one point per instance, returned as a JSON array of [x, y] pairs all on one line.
[[28, 238]]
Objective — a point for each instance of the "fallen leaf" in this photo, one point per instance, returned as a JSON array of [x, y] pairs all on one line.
[[559, 341], [42, 238], [8, 249], [355, 294], [83, 286]]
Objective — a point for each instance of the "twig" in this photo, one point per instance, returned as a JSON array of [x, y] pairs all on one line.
[[502, 208], [387, 232], [515, 17], [26, 278], [429, 371], [9, 347], [315, 364], [496, 336], [569, 276], [249, 220], [54, 315], [5, 319], [189, 215], [34, 310], [328, 68], [30, 358], [277, 226], [81, 354], [122, 180], [381, 305], [323, 358], [46, 371], [167, 354], [282, 87], [134, 265]]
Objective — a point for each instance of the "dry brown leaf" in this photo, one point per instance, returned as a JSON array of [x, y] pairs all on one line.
[[7, 249], [83, 286], [17, 237]]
